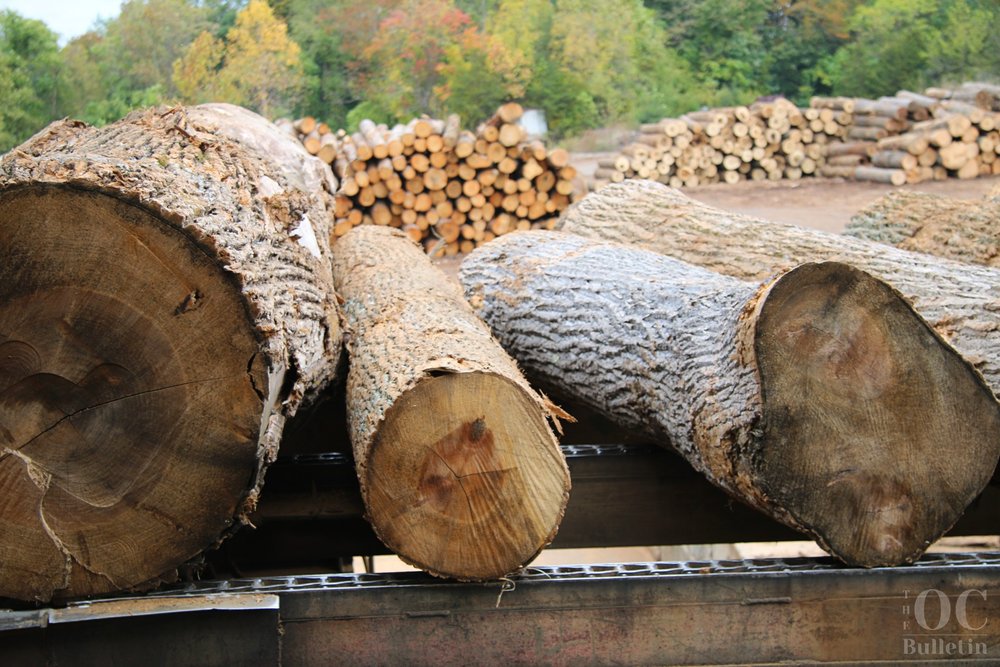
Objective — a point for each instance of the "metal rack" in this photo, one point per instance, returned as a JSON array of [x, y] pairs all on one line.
[[761, 611]]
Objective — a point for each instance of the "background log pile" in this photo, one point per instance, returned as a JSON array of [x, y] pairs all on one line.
[[905, 138], [913, 137], [446, 187], [765, 141]]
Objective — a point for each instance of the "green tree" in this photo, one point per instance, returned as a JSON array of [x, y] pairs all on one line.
[[584, 69], [29, 66], [968, 44], [127, 61], [478, 74], [802, 37], [888, 50]]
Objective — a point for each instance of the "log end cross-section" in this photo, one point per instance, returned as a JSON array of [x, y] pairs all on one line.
[[166, 304], [457, 482], [130, 397], [876, 434], [460, 472]]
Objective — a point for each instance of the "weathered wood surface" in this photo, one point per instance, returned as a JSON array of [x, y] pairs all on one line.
[[961, 301], [958, 229], [799, 395], [166, 304], [460, 473]]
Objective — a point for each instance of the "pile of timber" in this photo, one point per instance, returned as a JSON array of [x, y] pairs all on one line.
[[446, 187], [786, 390], [905, 138], [765, 141], [316, 136], [870, 515], [913, 137]]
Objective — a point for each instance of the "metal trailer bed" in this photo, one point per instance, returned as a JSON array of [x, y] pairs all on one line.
[[761, 611]]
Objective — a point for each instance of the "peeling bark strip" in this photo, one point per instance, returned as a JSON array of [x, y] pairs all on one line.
[[958, 229], [460, 473], [961, 301], [819, 397], [166, 304]]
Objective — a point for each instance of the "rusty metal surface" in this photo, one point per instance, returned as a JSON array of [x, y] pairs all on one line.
[[763, 611]]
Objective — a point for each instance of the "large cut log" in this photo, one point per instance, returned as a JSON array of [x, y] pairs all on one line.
[[165, 305], [959, 229], [799, 395], [961, 301], [460, 473]]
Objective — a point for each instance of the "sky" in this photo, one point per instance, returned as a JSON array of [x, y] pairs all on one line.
[[67, 19]]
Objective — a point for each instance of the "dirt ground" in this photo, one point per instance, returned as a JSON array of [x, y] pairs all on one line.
[[822, 203]]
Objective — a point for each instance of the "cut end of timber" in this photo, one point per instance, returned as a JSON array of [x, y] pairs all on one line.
[[465, 479], [129, 412], [878, 434]]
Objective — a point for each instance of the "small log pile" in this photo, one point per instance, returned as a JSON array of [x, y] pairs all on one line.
[[905, 138], [914, 137], [765, 141], [316, 137], [446, 187]]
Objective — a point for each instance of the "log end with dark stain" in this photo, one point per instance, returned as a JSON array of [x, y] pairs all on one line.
[[877, 434], [127, 433]]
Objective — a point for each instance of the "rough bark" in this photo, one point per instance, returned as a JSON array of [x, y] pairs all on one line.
[[460, 473], [166, 305], [796, 395], [958, 229], [961, 301]]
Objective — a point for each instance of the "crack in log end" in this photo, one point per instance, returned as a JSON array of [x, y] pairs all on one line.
[[190, 302], [463, 459], [253, 381]]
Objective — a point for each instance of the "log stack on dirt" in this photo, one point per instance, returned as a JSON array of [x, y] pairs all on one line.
[[166, 305], [905, 138], [958, 229], [460, 473], [959, 300], [914, 137], [448, 187], [765, 141], [796, 394]]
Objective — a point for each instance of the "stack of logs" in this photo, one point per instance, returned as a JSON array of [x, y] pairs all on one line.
[[446, 187], [907, 138], [765, 141], [913, 137]]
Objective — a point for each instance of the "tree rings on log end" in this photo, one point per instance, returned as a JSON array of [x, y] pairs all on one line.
[[129, 408], [877, 434], [465, 479]]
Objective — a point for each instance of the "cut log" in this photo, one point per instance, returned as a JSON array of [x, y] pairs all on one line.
[[796, 396], [895, 160], [962, 230], [460, 473], [165, 305], [879, 175], [959, 300]]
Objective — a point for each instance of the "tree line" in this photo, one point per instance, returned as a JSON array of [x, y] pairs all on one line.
[[586, 63]]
